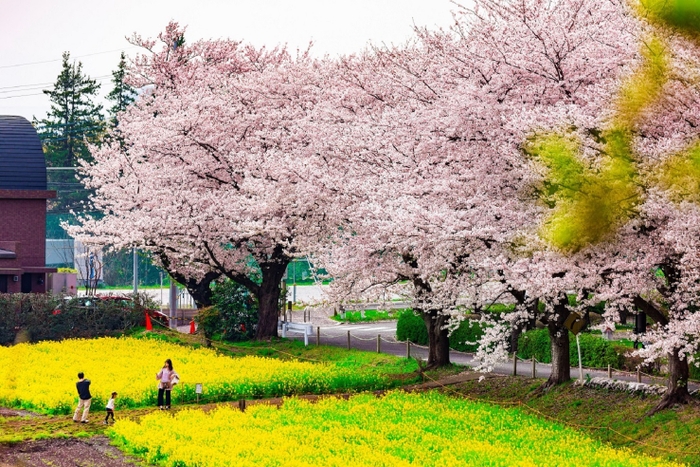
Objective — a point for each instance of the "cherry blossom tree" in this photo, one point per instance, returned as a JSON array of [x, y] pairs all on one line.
[[667, 144], [623, 193], [551, 68], [214, 169], [435, 154], [425, 196]]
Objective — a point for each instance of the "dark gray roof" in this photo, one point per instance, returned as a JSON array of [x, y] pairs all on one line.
[[7, 254], [22, 164]]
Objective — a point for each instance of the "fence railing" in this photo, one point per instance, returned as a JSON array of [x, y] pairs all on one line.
[[349, 338]]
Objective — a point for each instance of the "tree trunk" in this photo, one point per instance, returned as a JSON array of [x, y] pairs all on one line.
[[677, 390], [438, 339], [679, 372], [623, 315], [201, 290], [532, 306], [561, 363], [534, 309], [559, 336], [268, 295]]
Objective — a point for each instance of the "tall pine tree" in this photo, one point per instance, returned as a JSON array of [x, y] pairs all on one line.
[[74, 119], [122, 94]]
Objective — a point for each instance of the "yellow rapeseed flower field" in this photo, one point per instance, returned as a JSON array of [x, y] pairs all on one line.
[[42, 376], [398, 429]]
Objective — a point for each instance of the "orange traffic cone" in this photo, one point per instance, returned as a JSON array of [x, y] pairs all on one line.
[[149, 326], [192, 327]]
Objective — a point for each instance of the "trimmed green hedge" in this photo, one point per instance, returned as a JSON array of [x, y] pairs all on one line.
[[595, 351], [37, 317], [694, 370], [412, 327]]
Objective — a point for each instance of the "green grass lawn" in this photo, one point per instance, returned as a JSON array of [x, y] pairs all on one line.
[[368, 316]]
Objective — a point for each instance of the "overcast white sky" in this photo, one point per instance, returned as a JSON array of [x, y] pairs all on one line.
[[34, 33]]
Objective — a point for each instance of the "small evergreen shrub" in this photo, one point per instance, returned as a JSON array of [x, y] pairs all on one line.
[[412, 327], [535, 343], [595, 352], [466, 336], [237, 309], [367, 316], [694, 370], [209, 321]]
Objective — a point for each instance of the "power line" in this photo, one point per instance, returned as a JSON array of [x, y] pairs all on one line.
[[23, 95], [101, 80], [25, 85], [60, 59], [34, 86], [74, 123]]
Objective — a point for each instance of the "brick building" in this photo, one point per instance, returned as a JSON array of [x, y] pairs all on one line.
[[23, 196]]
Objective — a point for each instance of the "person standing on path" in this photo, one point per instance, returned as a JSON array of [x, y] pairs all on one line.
[[167, 377], [83, 386], [110, 408]]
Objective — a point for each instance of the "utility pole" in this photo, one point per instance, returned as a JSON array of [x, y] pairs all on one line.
[[173, 302], [136, 271], [294, 286]]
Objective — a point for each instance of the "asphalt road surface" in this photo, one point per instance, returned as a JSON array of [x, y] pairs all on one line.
[[365, 336]]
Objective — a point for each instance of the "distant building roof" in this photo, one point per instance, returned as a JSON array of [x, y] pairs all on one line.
[[22, 163], [7, 254]]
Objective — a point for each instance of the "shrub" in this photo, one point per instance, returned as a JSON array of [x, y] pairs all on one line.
[[209, 321], [694, 370], [595, 352], [67, 270], [238, 311], [535, 343], [412, 327], [465, 337], [45, 317]]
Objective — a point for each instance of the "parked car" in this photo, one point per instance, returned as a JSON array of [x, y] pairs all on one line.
[[128, 302], [119, 301]]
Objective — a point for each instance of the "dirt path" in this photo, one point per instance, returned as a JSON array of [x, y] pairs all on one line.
[[70, 452]]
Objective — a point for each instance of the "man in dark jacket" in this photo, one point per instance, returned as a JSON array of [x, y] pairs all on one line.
[[83, 386]]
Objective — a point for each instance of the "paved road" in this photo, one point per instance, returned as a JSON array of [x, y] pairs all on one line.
[[364, 337], [303, 293]]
